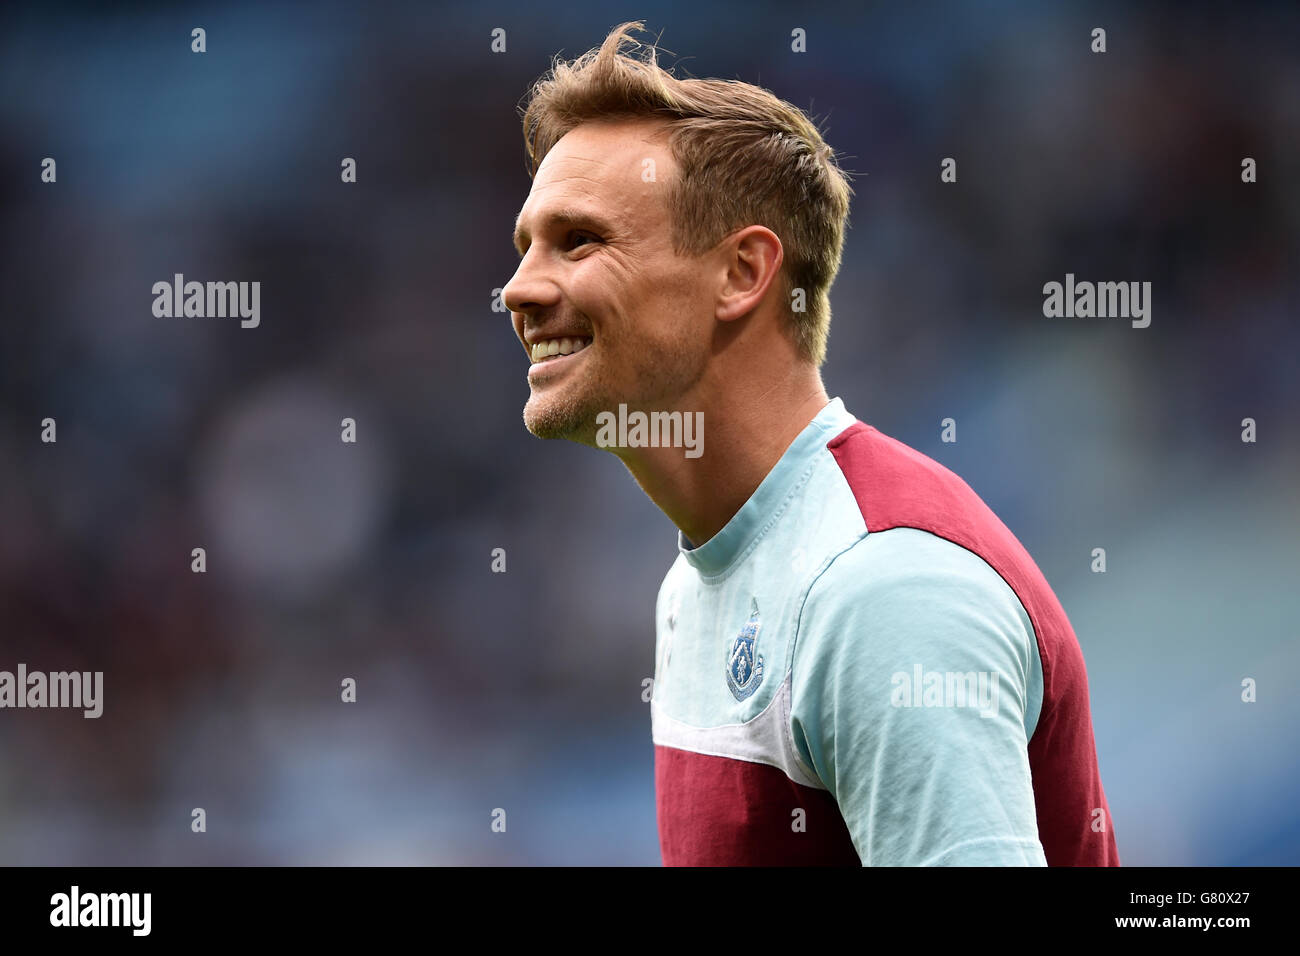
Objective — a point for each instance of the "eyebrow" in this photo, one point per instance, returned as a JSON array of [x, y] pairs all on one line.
[[568, 216]]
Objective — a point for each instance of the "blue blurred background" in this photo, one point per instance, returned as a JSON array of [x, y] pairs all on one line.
[[523, 690]]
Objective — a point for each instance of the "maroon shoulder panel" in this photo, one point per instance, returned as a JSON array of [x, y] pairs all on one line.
[[898, 487]]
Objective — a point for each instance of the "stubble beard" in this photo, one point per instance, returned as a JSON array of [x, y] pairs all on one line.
[[562, 412], [568, 410]]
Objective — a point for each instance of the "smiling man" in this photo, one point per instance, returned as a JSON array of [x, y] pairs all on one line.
[[856, 661]]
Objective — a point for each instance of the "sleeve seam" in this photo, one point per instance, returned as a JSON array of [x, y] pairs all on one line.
[[794, 643]]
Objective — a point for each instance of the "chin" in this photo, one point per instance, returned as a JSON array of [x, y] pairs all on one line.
[[555, 416]]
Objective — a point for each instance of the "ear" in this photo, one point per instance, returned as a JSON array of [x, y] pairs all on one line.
[[751, 261]]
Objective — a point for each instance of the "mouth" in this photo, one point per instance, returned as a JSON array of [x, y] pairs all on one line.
[[552, 355], [549, 349]]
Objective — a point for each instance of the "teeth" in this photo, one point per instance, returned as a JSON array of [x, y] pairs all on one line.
[[563, 346]]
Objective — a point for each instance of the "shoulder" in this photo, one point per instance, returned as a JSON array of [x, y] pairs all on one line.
[[908, 585], [904, 599], [935, 562], [897, 486]]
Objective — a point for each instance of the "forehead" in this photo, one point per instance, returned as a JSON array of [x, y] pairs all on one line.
[[599, 169]]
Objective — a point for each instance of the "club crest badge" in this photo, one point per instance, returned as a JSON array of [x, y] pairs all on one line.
[[744, 663]]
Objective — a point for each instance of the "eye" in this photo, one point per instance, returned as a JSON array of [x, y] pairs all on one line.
[[575, 236]]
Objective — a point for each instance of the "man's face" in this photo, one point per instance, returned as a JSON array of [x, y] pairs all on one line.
[[600, 281]]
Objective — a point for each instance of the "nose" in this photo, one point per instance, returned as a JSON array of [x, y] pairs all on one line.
[[529, 290]]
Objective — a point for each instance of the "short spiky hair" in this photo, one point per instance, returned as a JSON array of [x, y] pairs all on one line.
[[744, 156]]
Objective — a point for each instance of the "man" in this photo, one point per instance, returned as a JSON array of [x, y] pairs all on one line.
[[856, 661]]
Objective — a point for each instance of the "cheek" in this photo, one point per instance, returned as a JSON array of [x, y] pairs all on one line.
[[595, 294], [642, 311], [681, 309]]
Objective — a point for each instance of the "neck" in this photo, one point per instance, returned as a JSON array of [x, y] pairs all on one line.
[[746, 430]]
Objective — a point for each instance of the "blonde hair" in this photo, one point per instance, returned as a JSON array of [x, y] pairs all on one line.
[[744, 157]]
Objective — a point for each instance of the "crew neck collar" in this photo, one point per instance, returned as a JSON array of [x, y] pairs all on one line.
[[738, 535]]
